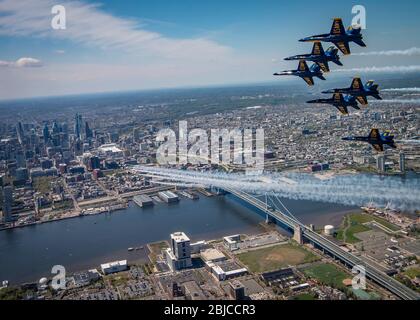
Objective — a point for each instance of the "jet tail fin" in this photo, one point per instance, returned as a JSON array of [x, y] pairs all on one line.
[[356, 84], [337, 27], [374, 134], [317, 49]]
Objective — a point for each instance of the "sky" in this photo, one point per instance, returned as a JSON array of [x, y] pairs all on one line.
[[120, 45]]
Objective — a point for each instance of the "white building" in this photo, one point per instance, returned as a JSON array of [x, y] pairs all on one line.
[[179, 255], [113, 267], [168, 196]]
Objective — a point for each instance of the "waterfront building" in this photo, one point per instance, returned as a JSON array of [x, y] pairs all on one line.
[[402, 162], [7, 201], [168, 196], [380, 163], [179, 255], [114, 267], [143, 200]]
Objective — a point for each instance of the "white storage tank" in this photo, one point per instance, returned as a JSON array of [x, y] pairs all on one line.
[[329, 230]]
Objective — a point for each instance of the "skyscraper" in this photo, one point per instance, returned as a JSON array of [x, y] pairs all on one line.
[[88, 131], [402, 161], [46, 133], [380, 163], [20, 132], [78, 126], [179, 255]]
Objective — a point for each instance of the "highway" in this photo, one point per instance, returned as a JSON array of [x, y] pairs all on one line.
[[349, 259]]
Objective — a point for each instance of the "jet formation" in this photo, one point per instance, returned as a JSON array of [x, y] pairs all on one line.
[[342, 98]]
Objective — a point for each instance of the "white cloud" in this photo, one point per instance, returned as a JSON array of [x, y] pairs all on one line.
[[408, 52], [22, 63], [28, 62], [89, 25]]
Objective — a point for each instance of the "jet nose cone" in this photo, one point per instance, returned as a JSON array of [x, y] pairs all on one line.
[[302, 40], [326, 91], [287, 59]]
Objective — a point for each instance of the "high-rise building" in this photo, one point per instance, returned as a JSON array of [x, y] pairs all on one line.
[[7, 201], [22, 174], [20, 159], [179, 255], [20, 133], [402, 161], [88, 131], [55, 128], [380, 163], [136, 134], [46, 133], [94, 163], [237, 290], [78, 126]]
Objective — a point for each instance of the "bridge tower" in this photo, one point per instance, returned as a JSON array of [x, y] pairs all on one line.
[[297, 235]]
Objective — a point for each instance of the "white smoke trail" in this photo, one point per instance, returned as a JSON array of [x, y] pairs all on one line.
[[390, 69], [401, 90], [407, 52], [408, 141], [399, 101], [343, 189]]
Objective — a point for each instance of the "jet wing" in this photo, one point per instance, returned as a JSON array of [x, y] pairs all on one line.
[[303, 66], [362, 100], [343, 46], [343, 110], [337, 27], [378, 147], [324, 66], [309, 80], [317, 49]]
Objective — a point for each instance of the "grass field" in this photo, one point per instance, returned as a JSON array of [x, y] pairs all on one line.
[[412, 272], [156, 249], [276, 257], [353, 224], [327, 274], [304, 296]]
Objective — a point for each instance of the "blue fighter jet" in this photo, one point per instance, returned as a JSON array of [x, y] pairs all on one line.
[[359, 91], [320, 57], [376, 139], [340, 102], [339, 37], [304, 72]]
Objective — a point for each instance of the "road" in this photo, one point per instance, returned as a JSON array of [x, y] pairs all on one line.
[[349, 259]]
